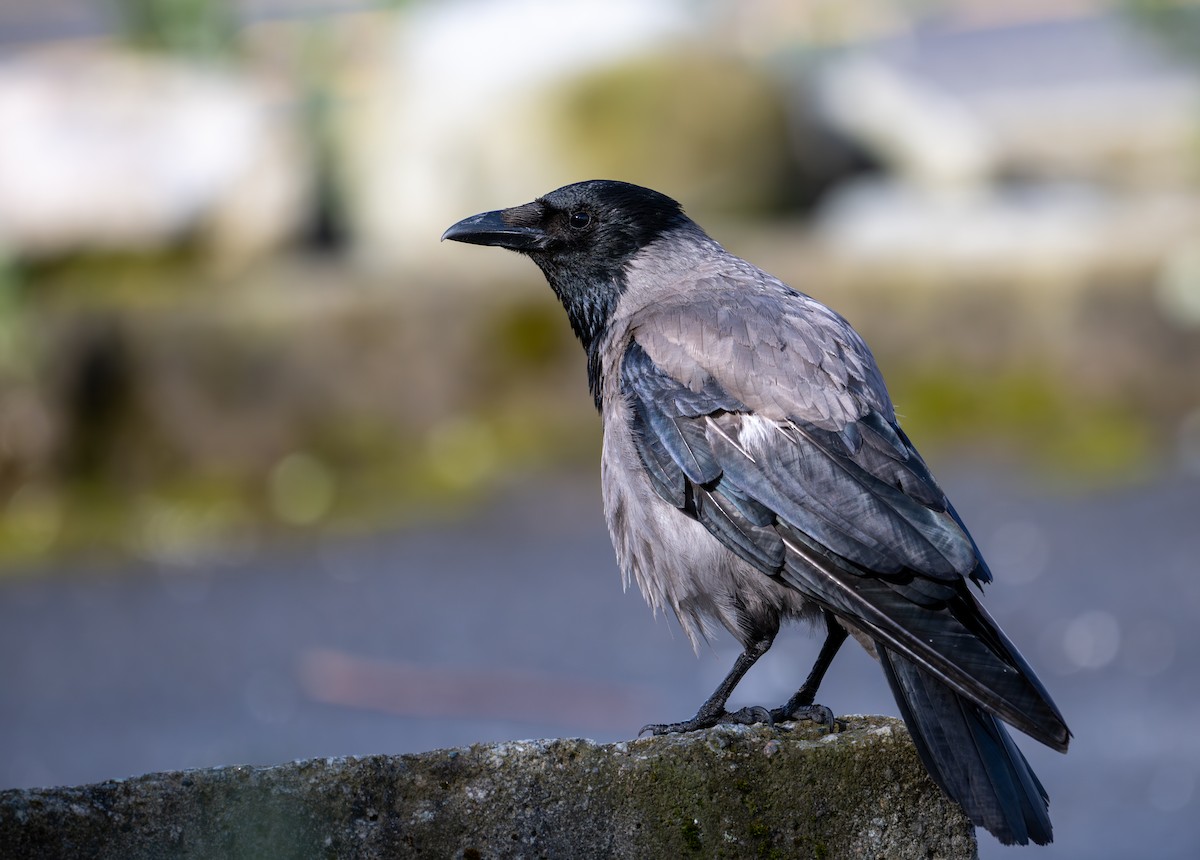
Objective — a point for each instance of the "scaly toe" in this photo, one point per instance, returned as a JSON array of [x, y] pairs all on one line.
[[748, 717]]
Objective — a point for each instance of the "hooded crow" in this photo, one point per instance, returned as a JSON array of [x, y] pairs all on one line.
[[754, 472]]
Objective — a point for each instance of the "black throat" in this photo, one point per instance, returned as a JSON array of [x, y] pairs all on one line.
[[589, 294]]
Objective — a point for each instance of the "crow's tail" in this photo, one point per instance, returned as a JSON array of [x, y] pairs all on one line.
[[970, 755]]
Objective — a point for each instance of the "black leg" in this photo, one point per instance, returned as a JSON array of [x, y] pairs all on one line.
[[713, 710], [800, 706]]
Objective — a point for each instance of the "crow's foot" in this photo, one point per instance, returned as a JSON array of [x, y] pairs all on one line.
[[706, 720]]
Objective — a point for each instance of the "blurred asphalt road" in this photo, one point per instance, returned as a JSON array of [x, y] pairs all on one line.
[[512, 624]]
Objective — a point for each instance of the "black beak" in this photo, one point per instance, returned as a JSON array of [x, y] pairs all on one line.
[[502, 228]]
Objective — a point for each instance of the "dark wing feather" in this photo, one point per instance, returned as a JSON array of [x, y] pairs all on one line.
[[665, 473], [953, 639], [664, 408], [762, 546]]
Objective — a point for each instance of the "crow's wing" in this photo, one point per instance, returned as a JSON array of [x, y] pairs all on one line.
[[761, 414]]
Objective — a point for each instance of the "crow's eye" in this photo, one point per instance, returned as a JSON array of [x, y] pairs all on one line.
[[579, 220]]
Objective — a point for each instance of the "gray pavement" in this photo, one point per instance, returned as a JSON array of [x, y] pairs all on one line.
[[511, 623]]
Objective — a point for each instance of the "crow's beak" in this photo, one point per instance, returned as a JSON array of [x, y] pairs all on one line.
[[504, 228]]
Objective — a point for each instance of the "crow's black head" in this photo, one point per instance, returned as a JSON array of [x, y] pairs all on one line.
[[599, 222], [581, 236]]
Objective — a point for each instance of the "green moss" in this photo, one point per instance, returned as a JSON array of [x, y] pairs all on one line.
[[119, 280], [1047, 420]]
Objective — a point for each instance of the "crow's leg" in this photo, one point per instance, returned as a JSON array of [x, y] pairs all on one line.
[[713, 711], [800, 706]]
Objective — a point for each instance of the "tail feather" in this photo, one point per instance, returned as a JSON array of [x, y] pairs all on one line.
[[970, 755]]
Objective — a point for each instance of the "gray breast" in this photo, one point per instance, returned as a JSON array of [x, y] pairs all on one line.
[[674, 560]]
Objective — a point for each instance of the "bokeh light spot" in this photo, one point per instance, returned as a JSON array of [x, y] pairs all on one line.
[[301, 489], [462, 453], [1092, 639]]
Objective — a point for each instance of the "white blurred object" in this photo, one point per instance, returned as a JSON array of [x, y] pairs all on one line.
[[1084, 95], [107, 150], [882, 219], [1044, 225], [1096, 120], [923, 134], [1178, 288]]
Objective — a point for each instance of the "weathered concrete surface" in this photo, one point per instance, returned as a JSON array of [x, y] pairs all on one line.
[[728, 792]]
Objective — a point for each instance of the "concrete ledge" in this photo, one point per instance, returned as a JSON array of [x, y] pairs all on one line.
[[728, 792]]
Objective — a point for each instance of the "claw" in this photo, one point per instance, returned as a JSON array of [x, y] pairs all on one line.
[[749, 717], [656, 729], [814, 713]]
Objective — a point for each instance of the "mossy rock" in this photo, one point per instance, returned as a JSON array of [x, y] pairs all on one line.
[[728, 792]]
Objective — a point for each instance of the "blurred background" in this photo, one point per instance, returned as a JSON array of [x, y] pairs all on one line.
[[281, 476]]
